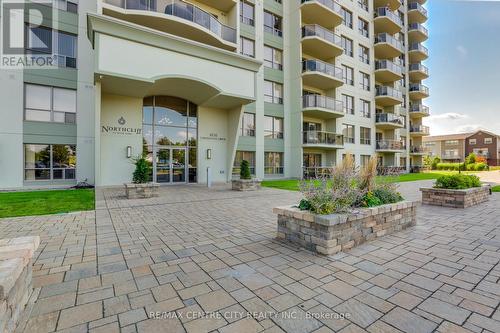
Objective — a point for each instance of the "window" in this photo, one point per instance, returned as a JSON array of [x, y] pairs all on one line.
[[273, 58], [455, 142], [347, 46], [364, 159], [364, 54], [247, 47], [348, 75], [488, 141], [363, 4], [403, 119], [273, 163], [68, 6], [49, 162], [248, 156], [365, 81], [453, 153], [348, 132], [348, 102], [49, 104], [364, 28], [273, 92], [61, 45], [247, 13], [346, 17], [471, 142], [273, 127], [365, 135], [272, 24], [365, 108], [248, 124]]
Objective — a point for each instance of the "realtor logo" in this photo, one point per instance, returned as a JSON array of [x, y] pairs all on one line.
[[27, 34], [122, 121]]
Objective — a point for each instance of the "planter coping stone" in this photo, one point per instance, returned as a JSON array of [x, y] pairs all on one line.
[[136, 185], [455, 191]]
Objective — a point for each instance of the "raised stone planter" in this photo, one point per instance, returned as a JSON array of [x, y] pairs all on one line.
[[329, 234], [141, 191], [246, 184], [15, 279], [455, 198]]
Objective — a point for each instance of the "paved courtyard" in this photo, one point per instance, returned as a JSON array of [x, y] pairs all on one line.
[[201, 260]]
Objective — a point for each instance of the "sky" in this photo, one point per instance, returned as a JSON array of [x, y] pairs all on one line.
[[464, 65]]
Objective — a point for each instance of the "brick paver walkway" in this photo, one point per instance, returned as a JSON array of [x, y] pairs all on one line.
[[194, 251]]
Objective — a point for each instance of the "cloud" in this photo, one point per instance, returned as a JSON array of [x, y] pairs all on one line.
[[468, 128], [448, 116], [462, 51]]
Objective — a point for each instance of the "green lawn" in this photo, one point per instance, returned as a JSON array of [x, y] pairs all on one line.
[[496, 189], [293, 185], [45, 202]]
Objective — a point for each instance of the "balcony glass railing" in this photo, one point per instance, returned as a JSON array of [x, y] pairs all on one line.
[[420, 129], [389, 118], [419, 108], [333, 5], [323, 67], [416, 87], [391, 40], [418, 27], [314, 30], [420, 68], [322, 138], [388, 65], [386, 12], [181, 10], [391, 145], [384, 91], [324, 102], [418, 47], [315, 172], [417, 150], [417, 6]]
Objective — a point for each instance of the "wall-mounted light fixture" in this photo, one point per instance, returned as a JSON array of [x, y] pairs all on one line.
[[209, 154], [129, 151]]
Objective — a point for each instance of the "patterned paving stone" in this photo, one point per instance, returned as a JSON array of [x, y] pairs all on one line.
[[408, 322]]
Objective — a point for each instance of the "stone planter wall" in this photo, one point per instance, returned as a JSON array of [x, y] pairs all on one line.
[[246, 184], [15, 279], [455, 198], [329, 234], [141, 191]]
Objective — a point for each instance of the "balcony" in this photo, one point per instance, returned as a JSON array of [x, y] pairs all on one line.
[[387, 71], [418, 91], [389, 121], [388, 96], [416, 13], [419, 111], [392, 4], [315, 172], [418, 72], [327, 13], [417, 150], [390, 146], [320, 43], [322, 75], [323, 107], [417, 33], [222, 5], [387, 46], [319, 139], [417, 52], [419, 130], [387, 21], [175, 17]]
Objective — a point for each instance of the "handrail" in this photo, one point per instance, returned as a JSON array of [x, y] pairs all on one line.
[[318, 31], [323, 67], [389, 118], [321, 137], [324, 102], [386, 12]]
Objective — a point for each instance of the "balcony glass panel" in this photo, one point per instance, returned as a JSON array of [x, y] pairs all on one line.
[[323, 67], [386, 12], [415, 87], [333, 5], [325, 102], [387, 38], [390, 118], [323, 138], [389, 65], [318, 31], [388, 91], [391, 145]]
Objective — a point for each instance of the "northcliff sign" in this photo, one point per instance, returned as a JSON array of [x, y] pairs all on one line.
[[121, 130]]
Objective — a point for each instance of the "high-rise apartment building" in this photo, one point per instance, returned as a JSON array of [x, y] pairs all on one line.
[[198, 86]]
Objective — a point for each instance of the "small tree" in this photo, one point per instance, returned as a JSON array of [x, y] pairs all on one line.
[[142, 170], [245, 170], [471, 159]]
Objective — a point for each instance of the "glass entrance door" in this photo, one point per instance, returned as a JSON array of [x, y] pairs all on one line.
[[170, 165]]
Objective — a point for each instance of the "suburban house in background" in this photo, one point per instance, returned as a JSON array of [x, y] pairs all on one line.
[[455, 147]]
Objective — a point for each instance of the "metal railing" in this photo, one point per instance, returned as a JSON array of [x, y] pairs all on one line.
[[390, 170], [417, 6], [418, 47], [382, 91], [386, 12], [333, 5], [183, 10], [389, 65], [324, 102], [418, 27], [315, 30], [322, 138], [315, 172], [386, 38], [323, 67], [391, 145], [417, 149], [420, 68], [419, 108], [420, 129], [417, 87], [389, 118]]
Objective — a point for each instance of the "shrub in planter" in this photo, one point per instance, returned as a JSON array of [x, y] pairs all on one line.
[[457, 182], [245, 170], [141, 187], [142, 171], [245, 183]]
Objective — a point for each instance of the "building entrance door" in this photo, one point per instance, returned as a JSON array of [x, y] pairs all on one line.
[[170, 165]]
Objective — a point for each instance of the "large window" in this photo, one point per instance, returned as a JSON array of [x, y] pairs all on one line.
[[248, 125], [247, 47], [347, 45], [61, 45], [248, 156], [364, 81], [247, 13], [365, 136], [273, 127], [346, 17], [348, 102], [50, 104], [364, 159], [348, 132], [273, 58], [348, 75], [49, 162], [272, 24], [363, 28], [364, 54], [365, 109], [273, 92], [274, 163]]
